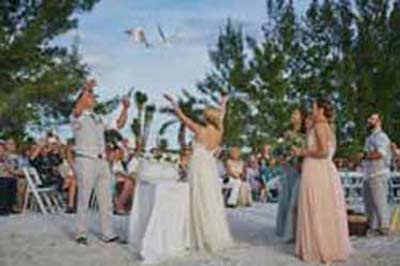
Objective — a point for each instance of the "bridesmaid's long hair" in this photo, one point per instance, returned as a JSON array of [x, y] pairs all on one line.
[[307, 118], [328, 109], [329, 113]]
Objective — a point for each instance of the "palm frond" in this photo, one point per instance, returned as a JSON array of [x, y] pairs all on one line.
[[166, 110], [140, 98], [105, 108], [136, 127], [166, 125]]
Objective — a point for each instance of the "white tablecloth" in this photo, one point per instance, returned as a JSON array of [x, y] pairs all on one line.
[[159, 222]]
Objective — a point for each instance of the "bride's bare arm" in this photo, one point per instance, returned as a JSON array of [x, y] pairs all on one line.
[[193, 126], [223, 105]]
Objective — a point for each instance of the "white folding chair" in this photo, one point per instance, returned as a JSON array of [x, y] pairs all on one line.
[[353, 187], [394, 187], [47, 198]]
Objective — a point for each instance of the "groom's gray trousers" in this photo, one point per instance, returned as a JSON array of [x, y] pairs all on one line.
[[375, 200], [93, 174]]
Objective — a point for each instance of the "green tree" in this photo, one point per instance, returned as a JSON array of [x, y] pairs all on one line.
[[346, 50], [349, 52], [275, 65], [191, 107], [37, 78], [141, 124], [137, 124], [230, 74], [148, 120]]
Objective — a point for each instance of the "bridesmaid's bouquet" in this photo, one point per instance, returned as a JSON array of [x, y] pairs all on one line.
[[284, 146]]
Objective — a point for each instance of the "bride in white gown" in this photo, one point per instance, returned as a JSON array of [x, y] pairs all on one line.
[[208, 222]]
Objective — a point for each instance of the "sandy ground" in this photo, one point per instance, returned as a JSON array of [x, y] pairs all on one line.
[[35, 240]]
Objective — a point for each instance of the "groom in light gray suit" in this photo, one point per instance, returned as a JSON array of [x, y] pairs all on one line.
[[92, 169]]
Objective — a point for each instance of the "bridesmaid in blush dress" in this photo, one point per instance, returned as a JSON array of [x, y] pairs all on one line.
[[322, 232]]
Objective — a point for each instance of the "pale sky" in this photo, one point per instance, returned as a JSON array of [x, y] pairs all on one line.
[[119, 64]]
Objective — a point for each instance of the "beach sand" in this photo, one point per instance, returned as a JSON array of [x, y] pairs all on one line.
[[36, 240]]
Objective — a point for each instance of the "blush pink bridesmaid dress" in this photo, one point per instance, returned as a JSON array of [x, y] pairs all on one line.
[[322, 230]]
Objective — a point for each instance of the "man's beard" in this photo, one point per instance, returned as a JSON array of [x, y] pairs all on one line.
[[370, 127]]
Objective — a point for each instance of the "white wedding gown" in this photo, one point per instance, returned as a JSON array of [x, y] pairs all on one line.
[[208, 223]]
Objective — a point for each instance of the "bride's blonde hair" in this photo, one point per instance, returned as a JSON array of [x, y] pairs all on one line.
[[213, 116]]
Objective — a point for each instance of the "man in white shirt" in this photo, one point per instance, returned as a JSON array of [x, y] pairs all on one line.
[[92, 169], [377, 160]]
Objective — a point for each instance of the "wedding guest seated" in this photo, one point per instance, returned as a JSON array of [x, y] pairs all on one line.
[[271, 180], [221, 165], [45, 157], [240, 189], [17, 163], [123, 180], [264, 158], [340, 164], [8, 183], [396, 163], [184, 160], [254, 177], [132, 161], [70, 183]]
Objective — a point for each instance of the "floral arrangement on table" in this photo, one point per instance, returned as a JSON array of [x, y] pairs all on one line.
[[284, 146], [158, 167], [162, 157]]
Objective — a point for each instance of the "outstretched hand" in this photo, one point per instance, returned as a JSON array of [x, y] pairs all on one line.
[[126, 103], [88, 88], [224, 99], [171, 100], [90, 85]]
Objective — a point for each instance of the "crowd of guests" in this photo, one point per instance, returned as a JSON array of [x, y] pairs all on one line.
[[244, 178], [53, 160], [243, 181]]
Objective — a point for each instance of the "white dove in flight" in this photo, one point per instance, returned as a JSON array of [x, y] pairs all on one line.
[[138, 35], [164, 38]]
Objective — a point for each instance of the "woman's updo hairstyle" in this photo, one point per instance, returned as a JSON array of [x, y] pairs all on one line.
[[327, 107]]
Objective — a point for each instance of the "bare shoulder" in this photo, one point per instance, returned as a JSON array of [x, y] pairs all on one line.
[[321, 125], [322, 130]]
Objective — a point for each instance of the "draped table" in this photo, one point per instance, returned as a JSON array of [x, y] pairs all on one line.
[[159, 222]]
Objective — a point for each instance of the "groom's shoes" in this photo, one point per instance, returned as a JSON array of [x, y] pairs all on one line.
[[82, 240], [111, 240]]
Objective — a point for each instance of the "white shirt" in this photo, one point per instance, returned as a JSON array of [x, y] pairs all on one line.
[[89, 134], [133, 166], [380, 142]]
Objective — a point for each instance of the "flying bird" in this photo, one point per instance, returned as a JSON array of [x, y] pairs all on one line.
[[138, 35], [164, 38]]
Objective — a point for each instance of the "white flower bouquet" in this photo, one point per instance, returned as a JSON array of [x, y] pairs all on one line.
[[155, 168]]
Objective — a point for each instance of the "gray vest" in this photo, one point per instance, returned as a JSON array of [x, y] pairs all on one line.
[[89, 135]]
